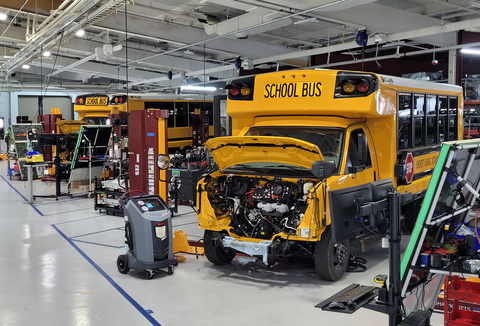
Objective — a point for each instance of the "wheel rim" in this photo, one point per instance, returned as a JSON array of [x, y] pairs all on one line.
[[340, 255], [121, 264]]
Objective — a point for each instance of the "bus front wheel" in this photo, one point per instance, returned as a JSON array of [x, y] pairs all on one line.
[[331, 259], [216, 254]]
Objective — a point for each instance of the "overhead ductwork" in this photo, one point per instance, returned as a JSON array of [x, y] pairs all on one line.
[[252, 18]]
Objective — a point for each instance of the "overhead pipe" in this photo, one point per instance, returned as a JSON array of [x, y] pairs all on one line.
[[79, 62], [425, 31], [78, 5], [51, 42], [397, 55], [62, 5], [159, 39], [146, 37], [327, 65], [83, 6], [232, 33], [289, 10], [153, 12], [65, 85], [44, 28]]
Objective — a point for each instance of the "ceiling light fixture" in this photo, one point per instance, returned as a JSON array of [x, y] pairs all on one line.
[[198, 88], [470, 51], [306, 20], [46, 54], [25, 66], [474, 4], [80, 32], [3, 16]]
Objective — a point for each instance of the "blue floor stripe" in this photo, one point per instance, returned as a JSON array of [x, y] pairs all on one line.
[[98, 244], [109, 279], [84, 235], [18, 192]]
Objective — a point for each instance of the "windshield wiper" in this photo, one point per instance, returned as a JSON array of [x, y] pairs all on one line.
[[247, 167], [290, 168]]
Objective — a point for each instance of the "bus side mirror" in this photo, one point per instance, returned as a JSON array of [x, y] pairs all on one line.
[[323, 169], [163, 161]]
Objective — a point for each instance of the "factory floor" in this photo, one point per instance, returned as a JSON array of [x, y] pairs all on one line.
[[58, 268]]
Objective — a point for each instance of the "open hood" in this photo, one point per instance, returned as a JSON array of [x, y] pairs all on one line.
[[68, 126], [228, 151]]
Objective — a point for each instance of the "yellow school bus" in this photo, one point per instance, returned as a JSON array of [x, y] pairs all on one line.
[[95, 108], [299, 135]]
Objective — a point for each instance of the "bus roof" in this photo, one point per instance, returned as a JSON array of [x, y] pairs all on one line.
[[157, 96], [152, 96], [400, 82], [324, 92]]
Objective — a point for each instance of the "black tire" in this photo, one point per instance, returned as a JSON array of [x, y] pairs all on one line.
[[171, 269], [122, 264], [331, 259], [217, 255], [149, 274]]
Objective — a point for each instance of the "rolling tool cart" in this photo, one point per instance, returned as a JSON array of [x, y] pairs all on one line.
[[148, 236]]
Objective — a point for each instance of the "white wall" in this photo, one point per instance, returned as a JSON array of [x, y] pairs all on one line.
[[28, 106], [5, 108], [14, 100]]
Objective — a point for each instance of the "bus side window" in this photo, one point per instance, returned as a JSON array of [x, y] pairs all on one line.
[[432, 120], [442, 119], [353, 159], [404, 121], [209, 110], [452, 118], [181, 114]]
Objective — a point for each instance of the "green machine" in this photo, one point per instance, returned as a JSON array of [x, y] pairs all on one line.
[[415, 281], [452, 195]]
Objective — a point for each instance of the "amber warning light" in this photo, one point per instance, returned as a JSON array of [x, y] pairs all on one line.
[[355, 86], [239, 91]]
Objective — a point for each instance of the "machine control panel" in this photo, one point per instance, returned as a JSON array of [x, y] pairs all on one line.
[[150, 204]]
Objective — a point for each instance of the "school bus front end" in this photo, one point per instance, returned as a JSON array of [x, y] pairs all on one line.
[[299, 135], [264, 200]]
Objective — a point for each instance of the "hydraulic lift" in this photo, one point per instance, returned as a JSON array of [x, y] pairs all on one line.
[[147, 129]]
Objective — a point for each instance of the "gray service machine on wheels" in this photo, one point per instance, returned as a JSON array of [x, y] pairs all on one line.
[[148, 234]]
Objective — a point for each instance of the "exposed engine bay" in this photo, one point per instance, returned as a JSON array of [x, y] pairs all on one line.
[[259, 207]]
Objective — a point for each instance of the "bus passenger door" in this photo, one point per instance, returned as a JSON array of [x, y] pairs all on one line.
[[359, 167]]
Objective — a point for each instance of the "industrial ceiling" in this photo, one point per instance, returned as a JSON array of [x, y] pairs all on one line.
[[159, 45]]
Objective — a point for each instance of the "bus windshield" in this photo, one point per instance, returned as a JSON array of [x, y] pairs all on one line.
[[328, 140]]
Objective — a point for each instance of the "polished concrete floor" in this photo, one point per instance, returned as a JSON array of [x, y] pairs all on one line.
[[58, 268]]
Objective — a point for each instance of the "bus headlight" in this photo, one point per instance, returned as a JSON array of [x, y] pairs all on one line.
[[305, 232]]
